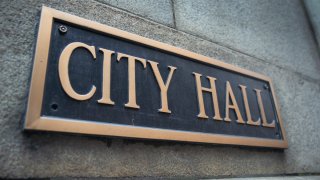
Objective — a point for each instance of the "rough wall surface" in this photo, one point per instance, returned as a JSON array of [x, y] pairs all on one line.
[[313, 8], [269, 37]]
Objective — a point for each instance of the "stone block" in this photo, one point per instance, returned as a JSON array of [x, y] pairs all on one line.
[[313, 8], [274, 31], [157, 10]]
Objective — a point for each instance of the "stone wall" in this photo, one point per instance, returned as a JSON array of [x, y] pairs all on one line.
[[271, 37]]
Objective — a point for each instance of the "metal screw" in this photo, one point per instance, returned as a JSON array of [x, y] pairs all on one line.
[[63, 29], [266, 86]]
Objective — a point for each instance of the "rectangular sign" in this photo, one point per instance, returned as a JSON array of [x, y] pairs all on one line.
[[94, 79]]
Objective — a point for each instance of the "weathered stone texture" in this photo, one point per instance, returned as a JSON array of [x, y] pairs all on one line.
[[158, 10], [313, 8], [41, 154], [274, 31], [308, 177]]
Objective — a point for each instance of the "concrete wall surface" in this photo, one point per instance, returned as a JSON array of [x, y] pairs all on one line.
[[280, 178], [271, 37], [313, 8]]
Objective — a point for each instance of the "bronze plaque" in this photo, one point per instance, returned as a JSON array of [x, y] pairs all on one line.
[[94, 79]]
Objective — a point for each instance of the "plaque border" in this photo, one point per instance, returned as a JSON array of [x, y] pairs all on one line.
[[34, 120]]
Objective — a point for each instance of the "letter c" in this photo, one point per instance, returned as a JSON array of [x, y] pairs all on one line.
[[64, 70]]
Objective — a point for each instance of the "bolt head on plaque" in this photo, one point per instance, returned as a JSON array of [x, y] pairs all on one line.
[[63, 29]]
